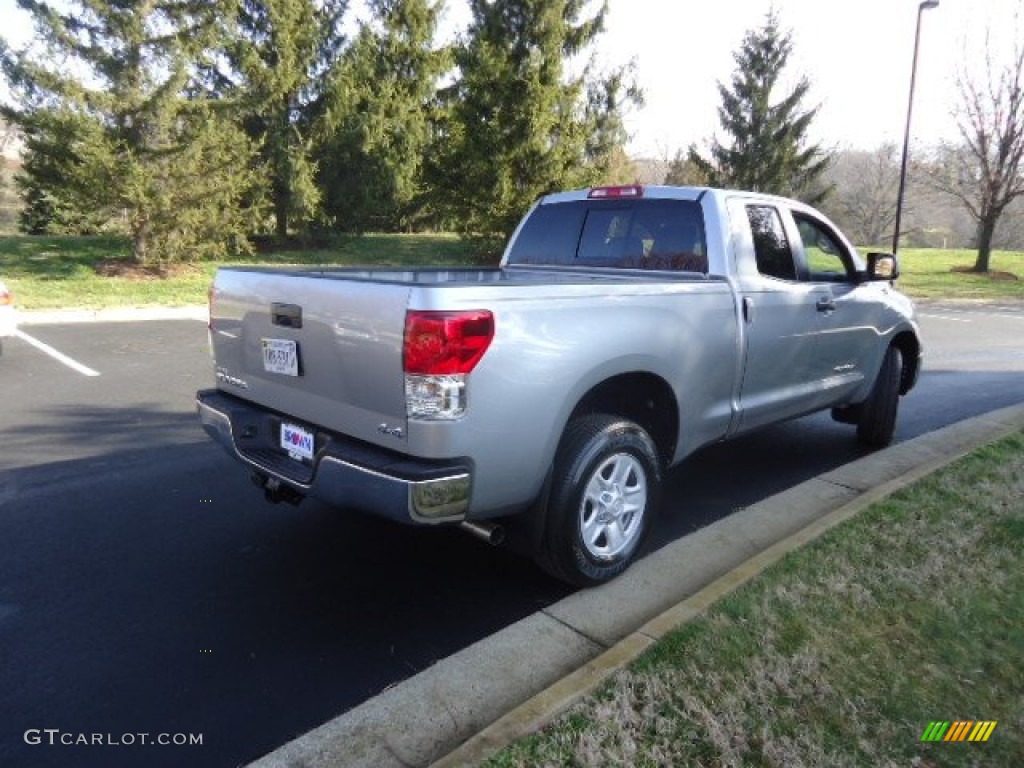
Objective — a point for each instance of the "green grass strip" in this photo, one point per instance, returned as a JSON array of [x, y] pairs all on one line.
[[62, 272], [859, 649], [68, 272]]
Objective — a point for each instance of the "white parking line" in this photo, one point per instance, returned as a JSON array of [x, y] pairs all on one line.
[[1001, 315], [59, 356], [945, 317]]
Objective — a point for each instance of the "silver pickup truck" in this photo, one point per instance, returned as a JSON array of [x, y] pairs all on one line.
[[625, 328]]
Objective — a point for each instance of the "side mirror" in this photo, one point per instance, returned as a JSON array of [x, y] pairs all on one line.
[[883, 266]]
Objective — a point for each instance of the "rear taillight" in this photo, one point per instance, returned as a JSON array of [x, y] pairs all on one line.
[[440, 349], [446, 342], [209, 304]]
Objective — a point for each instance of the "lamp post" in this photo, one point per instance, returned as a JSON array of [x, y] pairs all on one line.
[[926, 4]]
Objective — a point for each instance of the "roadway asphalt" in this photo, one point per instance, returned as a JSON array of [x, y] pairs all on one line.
[[146, 587], [468, 706]]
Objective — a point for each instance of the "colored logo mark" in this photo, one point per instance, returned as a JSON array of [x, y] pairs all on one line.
[[959, 730]]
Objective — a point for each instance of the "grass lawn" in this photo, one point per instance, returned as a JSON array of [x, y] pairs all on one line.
[[61, 272], [843, 653], [928, 273]]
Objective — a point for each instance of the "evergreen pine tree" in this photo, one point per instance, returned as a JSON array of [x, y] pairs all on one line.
[[518, 127], [380, 112], [52, 190], [767, 148], [278, 63], [118, 74]]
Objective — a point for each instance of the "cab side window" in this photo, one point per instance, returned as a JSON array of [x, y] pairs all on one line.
[[771, 247], [826, 257]]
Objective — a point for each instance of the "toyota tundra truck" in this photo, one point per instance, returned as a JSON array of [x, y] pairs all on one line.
[[624, 328]]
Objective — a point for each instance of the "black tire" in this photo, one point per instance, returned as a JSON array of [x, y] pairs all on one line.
[[877, 421], [595, 523]]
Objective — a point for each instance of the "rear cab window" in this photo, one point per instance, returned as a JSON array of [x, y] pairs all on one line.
[[626, 234]]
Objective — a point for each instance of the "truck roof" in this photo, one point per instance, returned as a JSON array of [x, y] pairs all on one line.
[[653, 192], [628, 191]]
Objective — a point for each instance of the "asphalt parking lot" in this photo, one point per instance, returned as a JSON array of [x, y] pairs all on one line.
[[146, 587]]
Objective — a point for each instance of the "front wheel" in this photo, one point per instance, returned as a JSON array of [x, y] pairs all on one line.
[[604, 494], [876, 421]]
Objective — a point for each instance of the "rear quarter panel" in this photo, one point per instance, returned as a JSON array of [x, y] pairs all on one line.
[[552, 344]]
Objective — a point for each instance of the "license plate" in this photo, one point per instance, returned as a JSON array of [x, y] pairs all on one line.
[[280, 356], [297, 441]]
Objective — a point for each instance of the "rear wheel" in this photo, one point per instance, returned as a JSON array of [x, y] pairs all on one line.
[[876, 421], [605, 489]]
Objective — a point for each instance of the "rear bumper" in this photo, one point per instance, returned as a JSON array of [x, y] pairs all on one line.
[[344, 472]]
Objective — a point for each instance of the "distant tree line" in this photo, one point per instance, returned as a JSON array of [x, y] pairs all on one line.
[[193, 126], [863, 203]]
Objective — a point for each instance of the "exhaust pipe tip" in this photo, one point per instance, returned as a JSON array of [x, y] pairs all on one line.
[[492, 533]]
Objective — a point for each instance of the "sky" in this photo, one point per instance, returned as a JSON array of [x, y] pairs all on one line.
[[857, 55]]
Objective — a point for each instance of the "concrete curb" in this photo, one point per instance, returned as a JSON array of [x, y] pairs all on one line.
[[112, 315], [467, 706]]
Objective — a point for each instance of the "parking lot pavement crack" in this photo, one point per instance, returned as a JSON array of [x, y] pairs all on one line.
[[451, 714], [844, 486], [600, 646]]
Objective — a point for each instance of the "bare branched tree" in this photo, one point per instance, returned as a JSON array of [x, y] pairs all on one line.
[[864, 200], [986, 171]]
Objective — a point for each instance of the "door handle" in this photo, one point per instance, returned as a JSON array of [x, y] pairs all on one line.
[[826, 304], [748, 310]]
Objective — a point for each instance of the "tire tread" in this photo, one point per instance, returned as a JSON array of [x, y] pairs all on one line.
[[877, 422]]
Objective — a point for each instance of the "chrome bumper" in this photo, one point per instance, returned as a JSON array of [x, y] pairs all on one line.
[[344, 472]]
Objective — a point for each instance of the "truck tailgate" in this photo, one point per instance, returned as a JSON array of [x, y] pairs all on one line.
[[318, 348]]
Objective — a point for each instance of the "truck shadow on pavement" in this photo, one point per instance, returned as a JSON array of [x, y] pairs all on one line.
[[73, 432]]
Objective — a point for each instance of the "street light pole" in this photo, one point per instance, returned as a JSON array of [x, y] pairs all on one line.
[[906, 134]]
